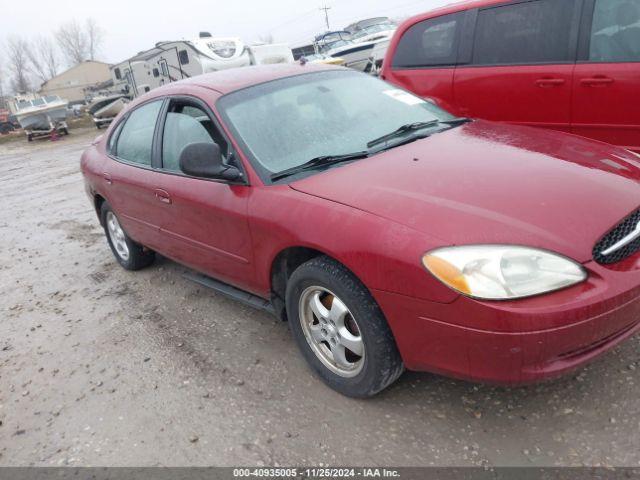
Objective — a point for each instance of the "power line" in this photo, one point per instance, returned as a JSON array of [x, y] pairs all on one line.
[[294, 19]]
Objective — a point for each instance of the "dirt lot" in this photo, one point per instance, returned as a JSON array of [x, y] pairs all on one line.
[[99, 366]]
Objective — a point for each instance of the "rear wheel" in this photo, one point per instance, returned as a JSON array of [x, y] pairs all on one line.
[[340, 329], [128, 253]]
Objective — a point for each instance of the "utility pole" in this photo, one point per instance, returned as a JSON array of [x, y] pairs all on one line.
[[326, 15]]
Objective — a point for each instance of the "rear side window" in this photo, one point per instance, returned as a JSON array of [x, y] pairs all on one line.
[[136, 138], [183, 56], [525, 33], [111, 145], [615, 35], [430, 43]]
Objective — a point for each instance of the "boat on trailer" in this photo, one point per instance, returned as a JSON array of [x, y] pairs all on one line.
[[378, 31], [103, 109], [339, 44], [41, 115]]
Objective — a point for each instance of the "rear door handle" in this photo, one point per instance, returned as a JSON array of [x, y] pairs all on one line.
[[163, 195], [550, 82], [596, 81], [107, 178]]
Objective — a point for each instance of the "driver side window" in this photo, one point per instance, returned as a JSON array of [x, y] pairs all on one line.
[[187, 123]]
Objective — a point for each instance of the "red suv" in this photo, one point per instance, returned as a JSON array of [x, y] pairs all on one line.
[[570, 65], [389, 233]]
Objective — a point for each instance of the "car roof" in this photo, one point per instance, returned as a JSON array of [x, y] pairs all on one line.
[[227, 81]]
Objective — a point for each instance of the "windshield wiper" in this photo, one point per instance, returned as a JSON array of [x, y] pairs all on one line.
[[409, 127], [318, 162], [413, 127], [454, 122]]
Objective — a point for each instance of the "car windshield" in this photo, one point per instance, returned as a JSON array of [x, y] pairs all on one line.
[[381, 27], [337, 44], [285, 123]]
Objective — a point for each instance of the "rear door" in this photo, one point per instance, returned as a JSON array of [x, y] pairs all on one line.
[[521, 63], [129, 180], [606, 102], [425, 57]]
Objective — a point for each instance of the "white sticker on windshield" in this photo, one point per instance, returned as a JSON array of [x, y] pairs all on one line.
[[404, 97]]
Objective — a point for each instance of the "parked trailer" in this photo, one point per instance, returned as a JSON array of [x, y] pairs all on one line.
[[60, 128], [171, 61]]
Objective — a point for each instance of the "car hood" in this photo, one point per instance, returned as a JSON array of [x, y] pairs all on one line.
[[492, 183]]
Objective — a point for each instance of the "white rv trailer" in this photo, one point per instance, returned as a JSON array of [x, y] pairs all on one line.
[[172, 61]]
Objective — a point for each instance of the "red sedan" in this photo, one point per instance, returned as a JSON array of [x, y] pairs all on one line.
[[389, 233]]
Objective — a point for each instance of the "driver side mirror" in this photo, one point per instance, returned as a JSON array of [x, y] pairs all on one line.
[[205, 160]]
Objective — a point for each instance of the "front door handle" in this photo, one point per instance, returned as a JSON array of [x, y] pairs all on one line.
[[596, 81], [107, 178], [550, 82], [163, 195]]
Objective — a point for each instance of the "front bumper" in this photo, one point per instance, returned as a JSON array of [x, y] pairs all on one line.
[[515, 342]]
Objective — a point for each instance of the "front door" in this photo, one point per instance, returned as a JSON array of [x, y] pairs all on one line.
[[425, 57], [205, 222], [606, 101]]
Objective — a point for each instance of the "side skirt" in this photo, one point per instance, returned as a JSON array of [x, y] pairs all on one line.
[[231, 292]]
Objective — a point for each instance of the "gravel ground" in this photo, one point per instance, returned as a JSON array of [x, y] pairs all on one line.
[[99, 366]]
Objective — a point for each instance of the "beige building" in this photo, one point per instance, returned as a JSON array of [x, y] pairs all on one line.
[[71, 83]]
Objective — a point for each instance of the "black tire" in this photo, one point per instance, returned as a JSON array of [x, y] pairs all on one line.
[[29, 137], [382, 362], [139, 257]]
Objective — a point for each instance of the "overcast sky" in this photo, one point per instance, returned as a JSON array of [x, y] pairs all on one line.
[[134, 25]]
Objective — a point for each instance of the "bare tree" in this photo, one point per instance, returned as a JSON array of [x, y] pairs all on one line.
[[73, 42], [95, 36], [268, 38], [3, 102], [18, 63], [43, 58]]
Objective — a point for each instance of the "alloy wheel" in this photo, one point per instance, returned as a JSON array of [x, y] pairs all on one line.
[[117, 236], [331, 331]]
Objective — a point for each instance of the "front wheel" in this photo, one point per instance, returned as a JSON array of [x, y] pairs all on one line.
[[340, 329], [128, 253]]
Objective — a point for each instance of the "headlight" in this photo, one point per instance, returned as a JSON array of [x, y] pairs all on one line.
[[502, 272], [224, 49]]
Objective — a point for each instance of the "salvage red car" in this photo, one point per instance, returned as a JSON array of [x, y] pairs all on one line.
[[389, 233], [569, 65]]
